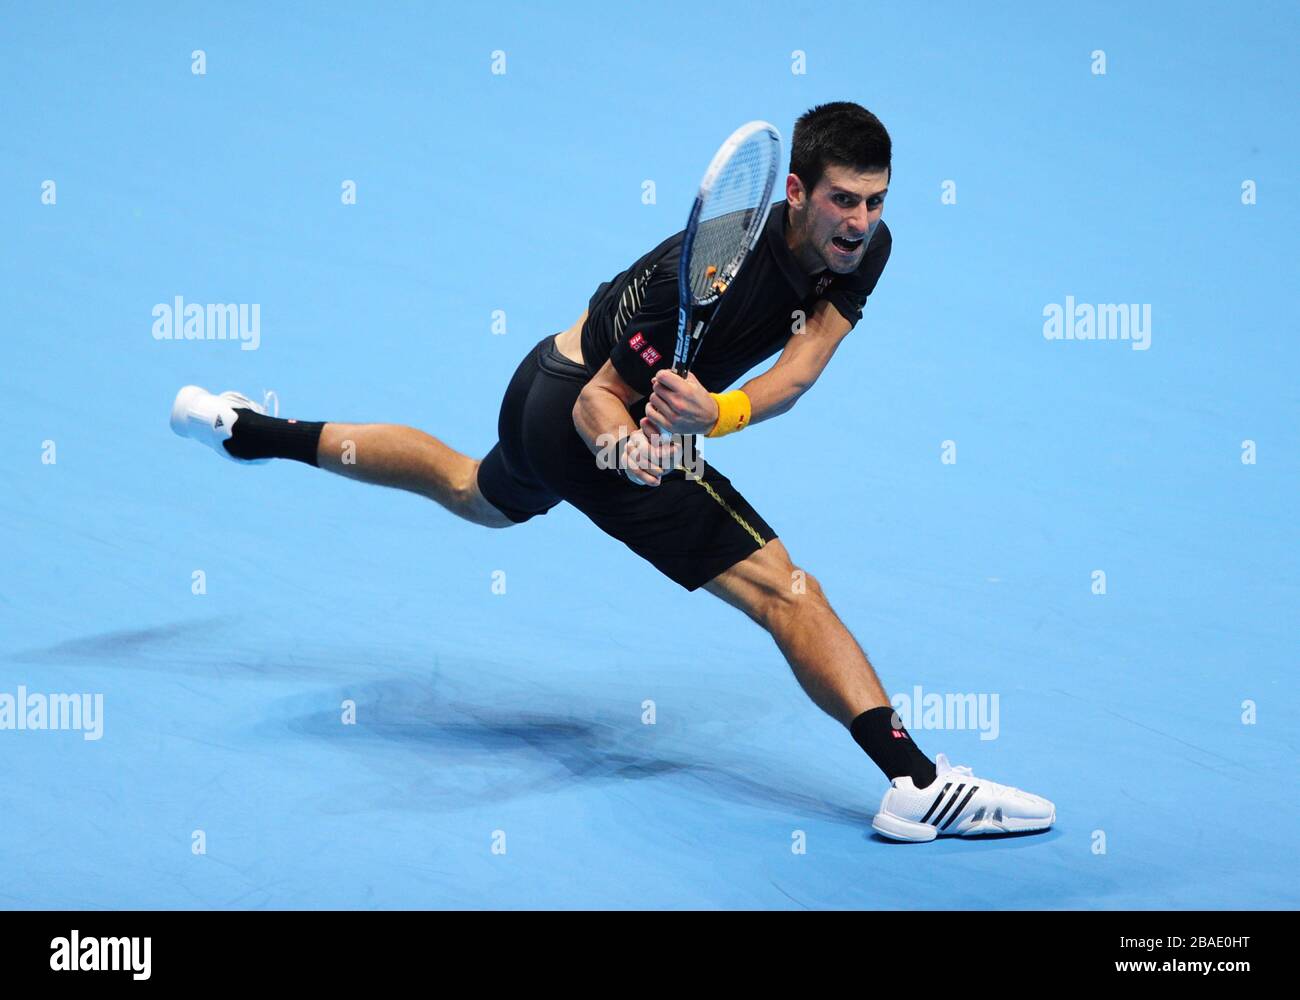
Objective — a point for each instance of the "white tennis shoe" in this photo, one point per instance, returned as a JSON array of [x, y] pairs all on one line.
[[958, 804], [198, 414]]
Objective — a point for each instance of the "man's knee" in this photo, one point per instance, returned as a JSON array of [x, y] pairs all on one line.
[[768, 587], [801, 594], [472, 505], [803, 583]]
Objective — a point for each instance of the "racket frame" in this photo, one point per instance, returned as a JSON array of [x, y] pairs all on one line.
[[688, 345]]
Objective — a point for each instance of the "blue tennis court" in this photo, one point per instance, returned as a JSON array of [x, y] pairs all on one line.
[[1071, 556]]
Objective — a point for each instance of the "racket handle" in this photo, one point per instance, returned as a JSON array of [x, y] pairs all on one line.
[[681, 369]]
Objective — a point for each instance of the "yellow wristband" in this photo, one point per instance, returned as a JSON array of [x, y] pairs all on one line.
[[733, 412]]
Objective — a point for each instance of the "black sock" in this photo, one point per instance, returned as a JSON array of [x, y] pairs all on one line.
[[881, 734], [258, 436]]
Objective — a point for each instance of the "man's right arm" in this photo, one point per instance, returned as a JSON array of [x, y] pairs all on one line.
[[645, 345], [602, 406]]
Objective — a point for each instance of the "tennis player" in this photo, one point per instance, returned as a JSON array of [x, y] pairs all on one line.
[[596, 417]]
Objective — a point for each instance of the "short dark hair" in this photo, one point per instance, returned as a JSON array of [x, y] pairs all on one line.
[[840, 133]]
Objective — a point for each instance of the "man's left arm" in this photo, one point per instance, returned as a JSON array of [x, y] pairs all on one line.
[[685, 407], [805, 357]]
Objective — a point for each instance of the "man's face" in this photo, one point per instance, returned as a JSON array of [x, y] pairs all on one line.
[[828, 228]]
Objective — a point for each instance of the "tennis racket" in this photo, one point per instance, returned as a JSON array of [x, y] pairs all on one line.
[[724, 225]]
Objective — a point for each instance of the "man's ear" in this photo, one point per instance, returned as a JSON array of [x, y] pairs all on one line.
[[794, 190]]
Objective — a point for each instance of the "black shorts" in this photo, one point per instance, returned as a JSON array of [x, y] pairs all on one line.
[[691, 528]]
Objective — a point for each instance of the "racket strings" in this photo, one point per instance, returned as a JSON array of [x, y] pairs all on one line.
[[730, 216]]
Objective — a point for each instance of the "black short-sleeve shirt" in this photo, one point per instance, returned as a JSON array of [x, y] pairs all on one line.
[[632, 318]]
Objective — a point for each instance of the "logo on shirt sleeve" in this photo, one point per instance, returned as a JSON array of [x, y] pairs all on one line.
[[637, 342]]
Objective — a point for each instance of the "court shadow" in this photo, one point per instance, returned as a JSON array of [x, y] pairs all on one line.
[[105, 646], [210, 648], [479, 753], [472, 752]]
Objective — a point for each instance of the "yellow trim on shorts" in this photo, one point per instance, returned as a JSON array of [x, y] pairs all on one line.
[[728, 508]]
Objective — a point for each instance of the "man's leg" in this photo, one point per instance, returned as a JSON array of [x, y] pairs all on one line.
[[408, 459], [386, 454], [827, 661]]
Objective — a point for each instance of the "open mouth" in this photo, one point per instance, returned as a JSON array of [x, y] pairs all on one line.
[[846, 245]]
